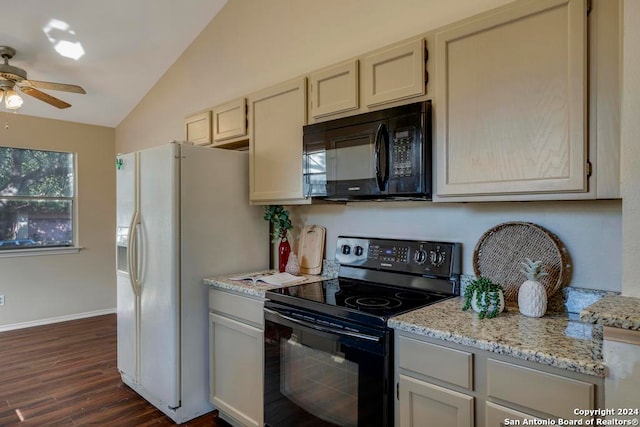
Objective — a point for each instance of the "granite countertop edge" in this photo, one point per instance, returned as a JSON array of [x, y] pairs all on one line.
[[579, 364], [248, 288], [615, 311]]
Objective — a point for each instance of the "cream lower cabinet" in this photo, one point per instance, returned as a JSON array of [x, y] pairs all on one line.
[[511, 104], [276, 117], [501, 416], [236, 334], [445, 384], [421, 401]]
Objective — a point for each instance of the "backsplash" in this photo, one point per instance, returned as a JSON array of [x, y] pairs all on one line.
[[330, 268], [466, 223]]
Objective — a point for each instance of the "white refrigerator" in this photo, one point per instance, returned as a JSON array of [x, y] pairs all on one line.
[[183, 215]]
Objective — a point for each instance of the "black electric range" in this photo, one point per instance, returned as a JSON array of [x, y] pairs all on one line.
[[328, 350]]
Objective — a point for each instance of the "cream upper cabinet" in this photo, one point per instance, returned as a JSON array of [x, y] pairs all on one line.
[[276, 117], [334, 89], [511, 103], [394, 73], [229, 122], [198, 128]]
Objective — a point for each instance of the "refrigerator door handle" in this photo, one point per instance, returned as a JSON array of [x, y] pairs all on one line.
[[132, 251]]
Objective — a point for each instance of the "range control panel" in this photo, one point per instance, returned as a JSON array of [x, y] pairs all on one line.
[[437, 259]]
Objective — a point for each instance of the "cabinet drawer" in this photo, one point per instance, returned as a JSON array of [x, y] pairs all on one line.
[[236, 306], [446, 364], [495, 415], [548, 393]]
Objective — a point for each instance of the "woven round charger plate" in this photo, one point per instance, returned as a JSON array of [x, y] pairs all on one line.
[[501, 249]]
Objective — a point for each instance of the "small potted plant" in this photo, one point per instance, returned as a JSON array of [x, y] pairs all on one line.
[[279, 217], [485, 297]]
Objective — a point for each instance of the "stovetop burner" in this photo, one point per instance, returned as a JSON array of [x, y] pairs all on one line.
[[372, 303]]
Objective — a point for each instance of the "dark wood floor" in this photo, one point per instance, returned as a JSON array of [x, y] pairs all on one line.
[[65, 375]]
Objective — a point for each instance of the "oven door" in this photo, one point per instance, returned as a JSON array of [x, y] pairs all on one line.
[[321, 372]]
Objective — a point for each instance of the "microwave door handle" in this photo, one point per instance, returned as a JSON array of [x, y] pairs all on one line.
[[380, 164]]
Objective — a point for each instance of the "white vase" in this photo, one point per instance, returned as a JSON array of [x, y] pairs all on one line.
[[532, 299], [481, 300], [293, 265]]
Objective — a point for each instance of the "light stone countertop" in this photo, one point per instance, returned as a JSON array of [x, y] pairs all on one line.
[[614, 310], [555, 339], [249, 288]]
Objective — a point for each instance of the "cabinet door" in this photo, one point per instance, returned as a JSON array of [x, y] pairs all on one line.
[[276, 117], [230, 121], [198, 128], [424, 404], [334, 89], [511, 102], [236, 369], [497, 415], [395, 73]]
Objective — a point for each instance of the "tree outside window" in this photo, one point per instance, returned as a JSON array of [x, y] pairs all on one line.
[[37, 196]]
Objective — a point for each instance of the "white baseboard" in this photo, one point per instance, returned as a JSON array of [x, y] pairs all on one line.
[[41, 322]]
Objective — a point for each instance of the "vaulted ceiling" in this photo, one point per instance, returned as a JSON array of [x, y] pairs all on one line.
[[127, 46]]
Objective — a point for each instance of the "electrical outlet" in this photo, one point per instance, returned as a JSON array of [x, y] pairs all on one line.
[[1, 299]]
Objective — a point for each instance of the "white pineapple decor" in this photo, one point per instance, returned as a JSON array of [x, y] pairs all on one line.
[[532, 296]]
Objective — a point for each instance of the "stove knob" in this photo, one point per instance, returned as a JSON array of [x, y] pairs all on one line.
[[420, 256], [437, 257], [346, 249], [359, 250]]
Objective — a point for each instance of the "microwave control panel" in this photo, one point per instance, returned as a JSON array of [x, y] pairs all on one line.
[[402, 152]]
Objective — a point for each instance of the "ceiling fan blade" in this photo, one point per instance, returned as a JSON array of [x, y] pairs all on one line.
[[53, 86], [45, 97]]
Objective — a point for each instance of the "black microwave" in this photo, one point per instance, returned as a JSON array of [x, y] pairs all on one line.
[[383, 154]]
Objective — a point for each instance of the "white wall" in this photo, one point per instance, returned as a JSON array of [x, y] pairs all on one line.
[[630, 150], [253, 45], [40, 288]]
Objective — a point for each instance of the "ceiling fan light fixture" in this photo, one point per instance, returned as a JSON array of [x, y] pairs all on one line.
[[12, 100]]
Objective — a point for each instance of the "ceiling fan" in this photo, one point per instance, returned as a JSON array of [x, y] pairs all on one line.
[[12, 77]]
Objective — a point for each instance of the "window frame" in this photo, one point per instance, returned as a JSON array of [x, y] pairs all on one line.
[[53, 250]]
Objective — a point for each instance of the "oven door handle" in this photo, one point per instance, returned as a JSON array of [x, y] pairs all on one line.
[[323, 328]]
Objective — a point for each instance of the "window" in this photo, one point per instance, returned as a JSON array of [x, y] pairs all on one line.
[[37, 199]]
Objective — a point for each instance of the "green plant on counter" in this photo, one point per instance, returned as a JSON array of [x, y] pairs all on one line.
[[490, 304], [279, 217]]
